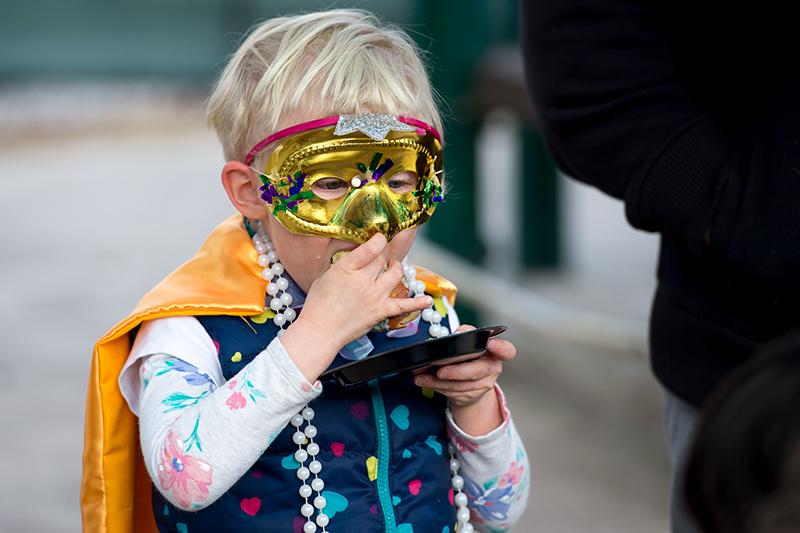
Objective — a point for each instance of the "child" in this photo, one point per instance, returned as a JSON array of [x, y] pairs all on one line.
[[743, 469], [334, 159]]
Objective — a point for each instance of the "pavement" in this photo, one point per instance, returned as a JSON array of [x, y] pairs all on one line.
[[94, 216]]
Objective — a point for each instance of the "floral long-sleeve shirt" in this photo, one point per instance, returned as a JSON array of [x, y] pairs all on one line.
[[190, 417]]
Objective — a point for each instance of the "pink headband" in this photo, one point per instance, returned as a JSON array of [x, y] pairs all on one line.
[[350, 122]]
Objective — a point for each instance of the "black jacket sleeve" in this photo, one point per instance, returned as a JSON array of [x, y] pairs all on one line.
[[617, 114]]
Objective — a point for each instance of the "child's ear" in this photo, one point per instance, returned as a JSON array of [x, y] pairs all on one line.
[[242, 190]]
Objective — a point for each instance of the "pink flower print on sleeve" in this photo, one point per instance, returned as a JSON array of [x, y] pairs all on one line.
[[463, 445], [513, 476], [243, 389], [236, 401], [185, 475]]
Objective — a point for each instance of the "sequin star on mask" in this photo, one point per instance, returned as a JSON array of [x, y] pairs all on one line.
[[375, 125]]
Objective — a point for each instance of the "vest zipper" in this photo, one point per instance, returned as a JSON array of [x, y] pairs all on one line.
[[384, 453]]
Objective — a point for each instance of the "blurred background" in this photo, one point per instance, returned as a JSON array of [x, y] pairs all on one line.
[[109, 178]]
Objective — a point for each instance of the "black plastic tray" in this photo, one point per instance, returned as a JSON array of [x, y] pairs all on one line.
[[453, 348]]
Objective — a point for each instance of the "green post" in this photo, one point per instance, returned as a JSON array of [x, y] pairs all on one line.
[[538, 203], [454, 33]]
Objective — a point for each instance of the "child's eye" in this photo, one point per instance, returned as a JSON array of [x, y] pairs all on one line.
[[329, 188], [403, 182]]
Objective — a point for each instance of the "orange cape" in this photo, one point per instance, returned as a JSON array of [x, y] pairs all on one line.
[[222, 279]]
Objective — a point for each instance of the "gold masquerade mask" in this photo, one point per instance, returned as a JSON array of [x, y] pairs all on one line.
[[351, 176]]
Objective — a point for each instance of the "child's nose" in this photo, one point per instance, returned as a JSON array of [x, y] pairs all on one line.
[[371, 212]]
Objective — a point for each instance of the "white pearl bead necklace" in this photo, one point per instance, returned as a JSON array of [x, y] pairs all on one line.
[[305, 435], [281, 302], [459, 498], [430, 315]]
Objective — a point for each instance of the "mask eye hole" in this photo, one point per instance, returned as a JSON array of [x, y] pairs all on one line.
[[329, 188], [402, 182]]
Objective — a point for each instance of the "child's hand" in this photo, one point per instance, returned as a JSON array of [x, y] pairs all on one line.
[[345, 303], [469, 386], [353, 295]]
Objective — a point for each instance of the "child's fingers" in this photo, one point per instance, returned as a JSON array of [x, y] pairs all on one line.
[[389, 279], [474, 370], [374, 267], [501, 349], [498, 348], [450, 386], [401, 306], [365, 253]]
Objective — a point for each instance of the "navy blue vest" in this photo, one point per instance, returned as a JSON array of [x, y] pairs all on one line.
[[383, 451]]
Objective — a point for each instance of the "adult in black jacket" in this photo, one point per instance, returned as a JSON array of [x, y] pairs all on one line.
[[690, 113]]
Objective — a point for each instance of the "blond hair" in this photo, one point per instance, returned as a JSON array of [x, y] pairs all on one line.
[[329, 62]]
